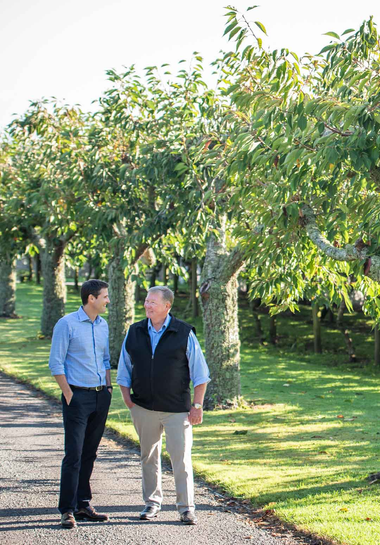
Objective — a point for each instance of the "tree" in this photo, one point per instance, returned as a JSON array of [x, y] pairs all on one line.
[[307, 133], [47, 162]]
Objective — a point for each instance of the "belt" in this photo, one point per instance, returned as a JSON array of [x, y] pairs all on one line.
[[96, 388]]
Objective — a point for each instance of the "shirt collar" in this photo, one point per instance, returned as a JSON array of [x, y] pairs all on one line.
[[163, 327], [84, 318]]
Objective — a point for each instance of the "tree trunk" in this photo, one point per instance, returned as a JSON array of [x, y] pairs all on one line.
[[30, 267], [175, 284], [272, 330], [377, 346], [316, 329], [53, 272], [253, 305], [76, 278], [165, 274], [218, 294], [137, 292], [38, 269], [89, 262], [154, 272], [121, 310], [194, 285], [345, 333], [7, 287]]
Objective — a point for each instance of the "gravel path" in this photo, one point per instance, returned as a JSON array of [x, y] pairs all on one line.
[[30, 458]]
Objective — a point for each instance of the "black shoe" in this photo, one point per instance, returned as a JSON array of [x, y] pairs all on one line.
[[89, 513], [149, 512], [68, 520], [188, 517]]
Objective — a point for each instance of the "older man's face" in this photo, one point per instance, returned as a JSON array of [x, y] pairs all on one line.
[[156, 308]]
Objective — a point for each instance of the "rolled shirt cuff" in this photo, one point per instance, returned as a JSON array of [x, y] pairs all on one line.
[[201, 380]]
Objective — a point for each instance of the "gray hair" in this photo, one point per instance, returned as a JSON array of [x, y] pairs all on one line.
[[167, 293]]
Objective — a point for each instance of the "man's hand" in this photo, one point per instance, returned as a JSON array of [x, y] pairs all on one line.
[[129, 403], [195, 416], [68, 396], [126, 393]]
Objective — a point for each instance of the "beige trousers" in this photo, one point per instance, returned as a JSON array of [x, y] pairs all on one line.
[[179, 439]]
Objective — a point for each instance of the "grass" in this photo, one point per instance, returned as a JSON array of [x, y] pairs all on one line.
[[302, 447]]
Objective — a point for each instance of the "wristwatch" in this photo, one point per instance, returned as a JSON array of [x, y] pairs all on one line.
[[197, 406]]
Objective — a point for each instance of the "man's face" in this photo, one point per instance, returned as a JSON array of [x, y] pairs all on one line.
[[156, 308], [99, 303]]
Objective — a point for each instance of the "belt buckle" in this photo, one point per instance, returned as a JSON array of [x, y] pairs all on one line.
[[98, 388]]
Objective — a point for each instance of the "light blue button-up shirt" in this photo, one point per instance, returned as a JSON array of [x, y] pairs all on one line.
[[199, 373], [80, 350]]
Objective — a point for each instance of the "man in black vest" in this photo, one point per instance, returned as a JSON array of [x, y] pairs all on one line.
[[159, 358]]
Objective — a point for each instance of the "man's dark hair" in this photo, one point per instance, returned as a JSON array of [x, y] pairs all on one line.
[[91, 287]]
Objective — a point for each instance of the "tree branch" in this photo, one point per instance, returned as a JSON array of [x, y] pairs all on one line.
[[351, 252]]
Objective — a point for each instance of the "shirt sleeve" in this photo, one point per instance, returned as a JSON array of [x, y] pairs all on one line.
[[199, 372], [124, 369], [59, 347], [106, 357]]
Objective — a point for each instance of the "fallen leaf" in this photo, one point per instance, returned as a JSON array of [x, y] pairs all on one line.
[[368, 518], [343, 509], [340, 416], [286, 384]]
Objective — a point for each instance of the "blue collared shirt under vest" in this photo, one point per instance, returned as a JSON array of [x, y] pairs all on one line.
[[80, 350], [199, 373]]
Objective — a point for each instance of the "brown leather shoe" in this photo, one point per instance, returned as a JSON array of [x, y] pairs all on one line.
[[68, 520], [188, 517], [89, 513]]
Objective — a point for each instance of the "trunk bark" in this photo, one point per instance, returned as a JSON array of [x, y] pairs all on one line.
[[194, 285], [253, 305], [89, 261], [165, 277], [38, 269], [218, 295], [377, 346], [137, 293], [345, 333], [54, 295], [121, 310], [30, 267], [7, 287], [76, 278], [272, 330], [175, 284], [316, 329]]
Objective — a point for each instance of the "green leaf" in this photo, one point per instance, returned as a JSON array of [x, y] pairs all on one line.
[[230, 27], [321, 128], [261, 27], [348, 31], [326, 48], [332, 34], [302, 122], [235, 31], [252, 7]]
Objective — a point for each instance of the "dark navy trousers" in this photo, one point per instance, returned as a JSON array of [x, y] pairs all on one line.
[[84, 421]]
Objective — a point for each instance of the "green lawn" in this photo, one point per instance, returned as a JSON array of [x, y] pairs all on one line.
[[308, 437]]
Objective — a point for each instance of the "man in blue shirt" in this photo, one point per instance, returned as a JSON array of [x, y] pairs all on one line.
[[159, 358], [80, 363]]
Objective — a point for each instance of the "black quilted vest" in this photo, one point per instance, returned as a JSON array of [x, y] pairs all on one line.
[[160, 382]]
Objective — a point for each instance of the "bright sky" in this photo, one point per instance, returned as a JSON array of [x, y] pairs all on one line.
[[62, 48]]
